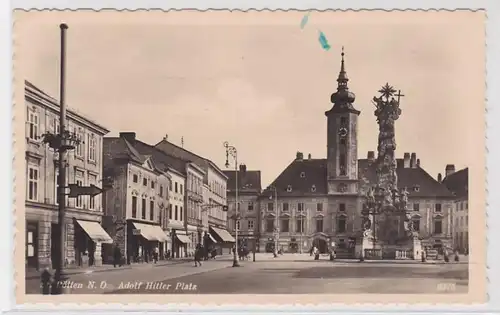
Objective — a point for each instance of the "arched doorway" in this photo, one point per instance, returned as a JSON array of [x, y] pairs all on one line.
[[321, 245]]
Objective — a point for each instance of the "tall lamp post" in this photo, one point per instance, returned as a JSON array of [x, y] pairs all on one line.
[[61, 143], [276, 228], [231, 151]]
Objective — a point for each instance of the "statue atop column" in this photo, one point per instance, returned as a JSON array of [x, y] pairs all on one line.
[[387, 112]]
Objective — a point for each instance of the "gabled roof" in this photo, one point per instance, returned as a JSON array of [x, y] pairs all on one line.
[[118, 150], [181, 153], [302, 177], [164, 161], [308, 177], [458, 183], [418, 182], [248, 181]]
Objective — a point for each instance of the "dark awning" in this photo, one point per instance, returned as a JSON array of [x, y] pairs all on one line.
[[222, 235]]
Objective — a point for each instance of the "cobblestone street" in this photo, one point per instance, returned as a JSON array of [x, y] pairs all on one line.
[[289, 274]]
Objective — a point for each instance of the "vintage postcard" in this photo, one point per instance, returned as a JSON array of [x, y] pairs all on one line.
[[250, 157]]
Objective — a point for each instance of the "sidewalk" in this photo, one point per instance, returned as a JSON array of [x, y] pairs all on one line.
[[34, 274], [106, 282], [305, 257]]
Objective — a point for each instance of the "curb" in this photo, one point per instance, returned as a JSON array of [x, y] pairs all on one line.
[[126, 267]]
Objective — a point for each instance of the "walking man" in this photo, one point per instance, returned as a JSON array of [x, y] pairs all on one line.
[[117, 256], [198, 254], [156, 253]]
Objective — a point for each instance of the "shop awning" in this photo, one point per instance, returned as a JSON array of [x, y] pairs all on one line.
[[146, 231], [95, 231], [223, 235], [183, 238], [212, 238], [158, 232]]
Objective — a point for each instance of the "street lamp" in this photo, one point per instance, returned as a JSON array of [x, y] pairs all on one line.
[[231, 151], [61, 143], [276, 228]]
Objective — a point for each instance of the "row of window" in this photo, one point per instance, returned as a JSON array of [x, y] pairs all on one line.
[[217, 188], [177, 188], [91, 140], [175, 213], [195, 184], [151, 183], [341, 224], [33, 183], [144, 204], [342, 207], [250, 225], [462, 205], [301, 207], [462, 221]]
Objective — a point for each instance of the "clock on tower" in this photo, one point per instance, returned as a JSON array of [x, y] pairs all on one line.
[[342, 157]]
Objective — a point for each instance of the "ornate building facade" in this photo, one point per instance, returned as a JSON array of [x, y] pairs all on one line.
[[247, 221], [209, 202], [83, 167], [136, 200], [320, 201]]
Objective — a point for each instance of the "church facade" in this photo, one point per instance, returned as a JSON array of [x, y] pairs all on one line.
[[318, 202]]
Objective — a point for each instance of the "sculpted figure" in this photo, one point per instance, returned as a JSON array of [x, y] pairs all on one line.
[[404, 198]]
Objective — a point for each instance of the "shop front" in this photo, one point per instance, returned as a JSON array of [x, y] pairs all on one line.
[[83, 237], [88, 239], [222, 238], [142, 239], [180, 242], [210, 243], [192, 233]]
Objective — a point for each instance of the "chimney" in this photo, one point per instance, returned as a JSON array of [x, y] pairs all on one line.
[[371, 156], [440, 177], [166, 137], [243, 168], [299, 156], [309, 156], [406, 159], [413, 160], [418, 162], [129, 136], [450, 169]]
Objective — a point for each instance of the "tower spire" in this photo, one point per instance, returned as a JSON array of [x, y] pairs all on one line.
[[342, 79], [342, 99]]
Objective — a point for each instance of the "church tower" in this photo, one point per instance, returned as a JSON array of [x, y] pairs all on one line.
[[342, 139]]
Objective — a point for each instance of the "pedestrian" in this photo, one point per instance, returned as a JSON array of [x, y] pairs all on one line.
[[445, 255], [117, 256], [457, 258], [315, 253], [198, 253], [156, 253]]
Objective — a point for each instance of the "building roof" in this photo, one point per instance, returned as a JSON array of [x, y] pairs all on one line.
[[161, 158], [248, 181], [458, 183], [178, 152], [118, 150], [301, 175], [309, 177], [35, 94]]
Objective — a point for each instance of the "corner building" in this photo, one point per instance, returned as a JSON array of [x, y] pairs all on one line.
[[320, 200], [84, 234]]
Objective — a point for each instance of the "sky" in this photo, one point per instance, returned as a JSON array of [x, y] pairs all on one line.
[[260, 82]]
